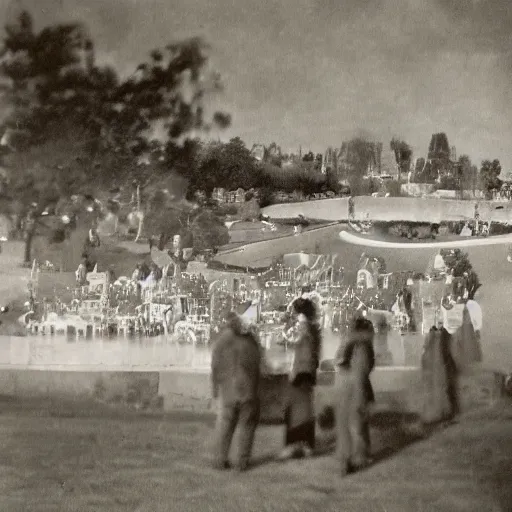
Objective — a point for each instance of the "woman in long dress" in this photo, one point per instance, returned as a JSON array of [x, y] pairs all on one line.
[[439, 377], [300, 414], [355, 362]]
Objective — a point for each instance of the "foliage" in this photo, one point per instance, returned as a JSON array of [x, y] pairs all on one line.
[[297, 179], [468, 173], [208, 231], [331, 180], [439, 147], [458, 261], [273, 155], [358, 156], [410, 230], [167, 217], [432, 170], [403, 156], [218, 165], [164, 216], [489, 176], [447, 182], [73, 125]]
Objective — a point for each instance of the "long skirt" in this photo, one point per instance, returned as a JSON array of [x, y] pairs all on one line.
[[300, 415], [439, 378], [352, 418]]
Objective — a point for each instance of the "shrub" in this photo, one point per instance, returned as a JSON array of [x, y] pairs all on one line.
[[227, 209], [416, 230]]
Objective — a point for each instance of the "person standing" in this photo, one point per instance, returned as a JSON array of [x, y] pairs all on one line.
[[355, 361], [439, 375], [299, 414], [351, 208], [236, 373], [477, 219]]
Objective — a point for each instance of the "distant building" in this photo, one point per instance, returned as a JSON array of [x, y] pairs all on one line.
[[228, 196], [258, 152], [329, 160]]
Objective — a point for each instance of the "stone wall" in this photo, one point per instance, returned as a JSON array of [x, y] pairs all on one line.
[[397, 389]]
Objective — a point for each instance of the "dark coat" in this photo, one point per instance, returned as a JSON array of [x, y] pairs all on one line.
[[345, 359], [306, 354], [236, 366], [439, 375]]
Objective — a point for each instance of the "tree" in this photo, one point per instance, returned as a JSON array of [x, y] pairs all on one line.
[[318, 161], [468, 174], [357, 154], [403, 156], [219, 165], [308, 157], [458, 261], [56, 94], [331, 180], [208, 231], [273, 155], [489, 176], [439, 147]]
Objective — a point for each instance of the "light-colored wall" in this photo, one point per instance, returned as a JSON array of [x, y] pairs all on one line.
[[392, 209], [398, 389]]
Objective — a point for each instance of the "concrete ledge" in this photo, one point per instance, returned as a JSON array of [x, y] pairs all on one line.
[[138, 389], [398, 389], [401, 388]]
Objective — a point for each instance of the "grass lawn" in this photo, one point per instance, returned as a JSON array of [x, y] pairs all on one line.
[[63, 459]]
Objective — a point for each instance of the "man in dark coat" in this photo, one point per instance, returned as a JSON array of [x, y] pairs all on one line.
[[236, 367], [355, 393]]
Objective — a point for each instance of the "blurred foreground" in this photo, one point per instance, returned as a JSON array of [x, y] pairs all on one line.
[[58, 457]]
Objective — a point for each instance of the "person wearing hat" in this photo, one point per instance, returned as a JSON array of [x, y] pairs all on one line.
[[236, 374], [355, 394], [299, 413]]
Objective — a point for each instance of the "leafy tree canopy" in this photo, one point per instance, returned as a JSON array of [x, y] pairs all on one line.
[[489, 175], [72, 126], [56, 94]]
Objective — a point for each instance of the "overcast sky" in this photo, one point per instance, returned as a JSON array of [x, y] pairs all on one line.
[[315, 72]]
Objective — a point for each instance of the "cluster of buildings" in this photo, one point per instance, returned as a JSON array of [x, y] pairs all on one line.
[[377, 159], [189, 307]]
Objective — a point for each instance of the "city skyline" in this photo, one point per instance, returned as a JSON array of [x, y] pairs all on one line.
[[314, 73]]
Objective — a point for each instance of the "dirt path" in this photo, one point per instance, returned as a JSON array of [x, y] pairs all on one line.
[[52, 460]]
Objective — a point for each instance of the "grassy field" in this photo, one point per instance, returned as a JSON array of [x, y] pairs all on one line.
[[69, 459]]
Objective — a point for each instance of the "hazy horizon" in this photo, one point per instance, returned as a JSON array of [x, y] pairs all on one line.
[[314, 73]]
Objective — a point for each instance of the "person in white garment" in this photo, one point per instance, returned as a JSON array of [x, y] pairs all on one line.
[[439, 263], [475, 313]]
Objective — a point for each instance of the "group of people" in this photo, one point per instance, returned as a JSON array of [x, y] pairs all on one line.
[[238, 363]]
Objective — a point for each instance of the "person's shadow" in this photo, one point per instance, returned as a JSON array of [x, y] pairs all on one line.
[[390, 433]]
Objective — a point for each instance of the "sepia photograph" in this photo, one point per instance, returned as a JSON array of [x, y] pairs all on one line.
[[255, 256]]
